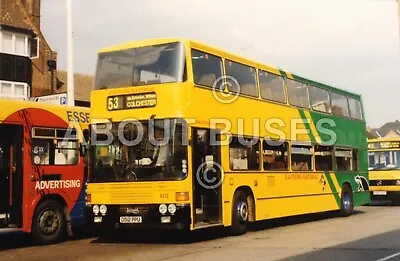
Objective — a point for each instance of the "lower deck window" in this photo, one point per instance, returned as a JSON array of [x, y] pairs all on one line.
[[301, 157], [343, 159], [244, 154], [275, 155], [323, 158]]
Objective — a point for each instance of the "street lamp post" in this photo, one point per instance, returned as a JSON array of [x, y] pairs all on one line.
[[398, 9], [70, 57]]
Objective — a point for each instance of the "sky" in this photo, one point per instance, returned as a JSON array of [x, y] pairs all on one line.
[[350, 44]]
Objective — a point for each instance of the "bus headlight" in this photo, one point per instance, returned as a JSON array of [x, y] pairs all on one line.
[[172, 208], [96, 209], [103, 209], [163, 208], [398, 182]]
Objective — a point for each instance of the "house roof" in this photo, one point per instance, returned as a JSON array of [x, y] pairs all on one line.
[[392, 128], [12, 13], [82, 84]]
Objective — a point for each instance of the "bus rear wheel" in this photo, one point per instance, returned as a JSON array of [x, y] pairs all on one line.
[[49, 223], [240, 213], [347, 203]]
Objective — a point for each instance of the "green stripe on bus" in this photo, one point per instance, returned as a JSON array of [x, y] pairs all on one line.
[[283, 73], [312, 138], [333, 188], [307, 126]]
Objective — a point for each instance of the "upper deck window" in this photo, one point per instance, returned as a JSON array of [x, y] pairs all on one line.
[[320, 99], [339, 104], [207, 68], [271, 87], [155, 64], [298, 93], [245, 76], [355, 109]]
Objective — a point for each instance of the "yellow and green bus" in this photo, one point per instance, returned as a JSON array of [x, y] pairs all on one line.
[[186, 136], [384, 168]]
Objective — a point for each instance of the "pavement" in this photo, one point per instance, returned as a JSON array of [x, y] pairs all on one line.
[[371, 234]]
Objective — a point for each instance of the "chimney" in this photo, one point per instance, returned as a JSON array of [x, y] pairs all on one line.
[[33, 8]]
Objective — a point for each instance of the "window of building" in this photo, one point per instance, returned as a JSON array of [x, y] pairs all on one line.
[[339, 104], [320, 99], [323, 158], [207, 68], [7, 43], [33, 46], [20, 44], [355, 109], [275, 155], [301, 157], [244, 154], [19, 90], [14, 90], [14, 43], [6, 89], [271, 86], [245, 77], [297, 93], [343, 159]]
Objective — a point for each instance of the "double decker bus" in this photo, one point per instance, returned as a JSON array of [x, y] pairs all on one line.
[[43, 168], [384, 168], [187, 136]]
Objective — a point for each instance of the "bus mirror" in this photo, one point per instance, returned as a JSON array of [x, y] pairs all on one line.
[[86, 134], [83, 150]]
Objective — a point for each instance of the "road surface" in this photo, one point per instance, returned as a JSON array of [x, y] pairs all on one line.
[[371, 234]]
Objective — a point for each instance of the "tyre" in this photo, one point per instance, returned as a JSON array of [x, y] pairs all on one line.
[[49, 223], [347, 204], [240, 213]]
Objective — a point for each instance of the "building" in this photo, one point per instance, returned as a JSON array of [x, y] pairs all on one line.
[[388, 130], [28, 64], [82, 86]]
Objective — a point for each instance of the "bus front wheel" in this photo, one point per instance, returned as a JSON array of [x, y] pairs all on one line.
[[49, 223], [240, 213], [347, 205]]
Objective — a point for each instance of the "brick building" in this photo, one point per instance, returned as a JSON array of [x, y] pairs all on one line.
[[28, 66], [27, 59]]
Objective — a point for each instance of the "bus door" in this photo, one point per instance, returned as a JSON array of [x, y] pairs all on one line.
[[207, 173], [10, 175]]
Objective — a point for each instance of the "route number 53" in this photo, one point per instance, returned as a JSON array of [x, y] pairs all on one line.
[[112, 103]]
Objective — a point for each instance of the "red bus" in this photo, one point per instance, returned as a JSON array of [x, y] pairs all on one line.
[[42, 168]]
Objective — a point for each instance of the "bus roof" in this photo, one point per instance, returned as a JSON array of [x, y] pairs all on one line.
[[220, 52]]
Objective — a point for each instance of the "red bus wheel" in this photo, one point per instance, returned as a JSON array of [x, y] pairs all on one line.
[[49, 223]]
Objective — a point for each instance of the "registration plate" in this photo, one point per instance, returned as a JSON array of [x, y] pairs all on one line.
[[379, 192], [130, 219]]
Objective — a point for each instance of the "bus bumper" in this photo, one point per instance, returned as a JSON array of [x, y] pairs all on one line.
[[141, 217], [385, 192]]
